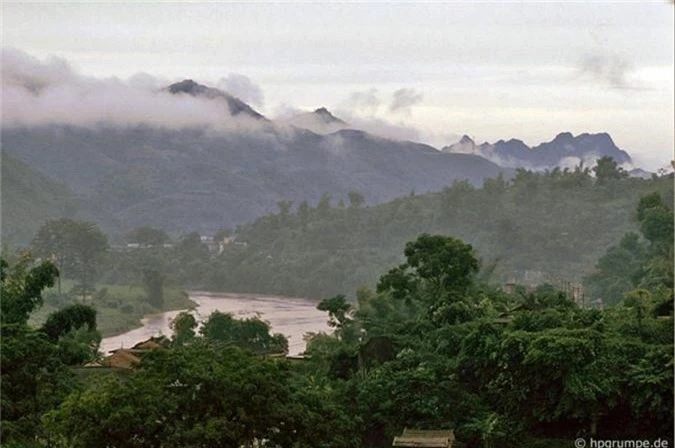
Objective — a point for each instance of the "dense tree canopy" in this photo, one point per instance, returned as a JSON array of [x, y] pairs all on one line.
[[34, 374], [438, 344], [76, 247], [535, 227]]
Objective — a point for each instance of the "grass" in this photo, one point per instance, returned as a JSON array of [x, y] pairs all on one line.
[[120, 308]]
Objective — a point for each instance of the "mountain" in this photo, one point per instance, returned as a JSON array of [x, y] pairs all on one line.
[[28, 199], [321, 121], [565, 150], [201, 179], [235, 105]]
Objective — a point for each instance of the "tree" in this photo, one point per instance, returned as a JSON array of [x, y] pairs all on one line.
[[203, 396], [33, 377], [67, 319], [339, 311], [337, 308], [356, 199], [76, 247], [656, 221], [183, 326], [436, 263], [251, 334], [22, 287], [607, 169]]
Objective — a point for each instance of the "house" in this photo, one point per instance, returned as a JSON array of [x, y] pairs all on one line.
[[127, 358], [121, 359], [425, 438]]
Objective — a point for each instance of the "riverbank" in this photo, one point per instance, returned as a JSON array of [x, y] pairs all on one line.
[[119, 308]]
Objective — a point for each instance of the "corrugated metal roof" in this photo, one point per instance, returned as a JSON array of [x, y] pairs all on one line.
[[413, 438]]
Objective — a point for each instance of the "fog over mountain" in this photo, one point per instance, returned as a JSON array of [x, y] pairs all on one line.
[[185, 156]]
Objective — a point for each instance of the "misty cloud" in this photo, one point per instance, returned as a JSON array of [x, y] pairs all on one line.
[[380, 127], [611, 70], [404, 99], [50, 92], [243, 88], [364, 102]]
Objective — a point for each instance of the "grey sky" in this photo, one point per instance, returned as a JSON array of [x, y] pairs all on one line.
[[491, 70]]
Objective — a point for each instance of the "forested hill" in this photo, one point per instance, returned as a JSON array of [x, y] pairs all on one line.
[[28, 199], [195, 179], [535, 227]]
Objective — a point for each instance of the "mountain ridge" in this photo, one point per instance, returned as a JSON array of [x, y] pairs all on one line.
[[565, 151], [199, 179]]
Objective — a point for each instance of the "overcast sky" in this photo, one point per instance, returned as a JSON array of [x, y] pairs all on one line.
[[491, 70]]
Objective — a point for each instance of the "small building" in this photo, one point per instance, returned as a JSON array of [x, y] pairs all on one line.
[[121, 359], [153, 343], [413, 438]]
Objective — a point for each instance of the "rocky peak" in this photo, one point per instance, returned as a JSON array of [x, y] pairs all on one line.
[[327, 116]]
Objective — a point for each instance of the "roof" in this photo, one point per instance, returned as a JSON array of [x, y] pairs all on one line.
[[122, 359], [425, 438], [93, 364], [147, 345]]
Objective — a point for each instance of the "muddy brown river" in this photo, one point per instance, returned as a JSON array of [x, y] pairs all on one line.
[[289, 316]]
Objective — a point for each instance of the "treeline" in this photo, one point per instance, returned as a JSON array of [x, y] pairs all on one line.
[[536, 227]]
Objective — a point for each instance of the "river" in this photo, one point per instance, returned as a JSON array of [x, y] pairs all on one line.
[[289, 316]]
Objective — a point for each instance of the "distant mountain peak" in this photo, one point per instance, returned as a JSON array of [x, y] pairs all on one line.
[[320, 121], [466, 140], [327, 116], [563, 137], [563, 150], [235, 105], [187, 86]]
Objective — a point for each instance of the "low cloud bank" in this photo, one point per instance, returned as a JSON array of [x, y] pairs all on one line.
[[36, 92]]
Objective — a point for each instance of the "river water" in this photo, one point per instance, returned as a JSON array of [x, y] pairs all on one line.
[[289, 316]]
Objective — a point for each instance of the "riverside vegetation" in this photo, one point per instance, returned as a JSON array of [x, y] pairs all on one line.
[[433, 344]]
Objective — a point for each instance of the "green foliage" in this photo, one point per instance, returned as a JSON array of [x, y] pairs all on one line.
[[250, 334], [443, 351], [552, 225], [22, 287], [76, 247], [636, 262], [34, 378], [69, 318], [607, 169], [434, 347], [119, 308], [183, 327], [201, 396], [436, 266]]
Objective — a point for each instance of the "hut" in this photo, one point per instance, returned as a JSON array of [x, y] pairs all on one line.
[[419, 438], [121, 359]]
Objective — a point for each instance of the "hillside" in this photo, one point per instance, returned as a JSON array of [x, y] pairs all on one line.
[[28, 199], [200, 180], [536, 228]]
